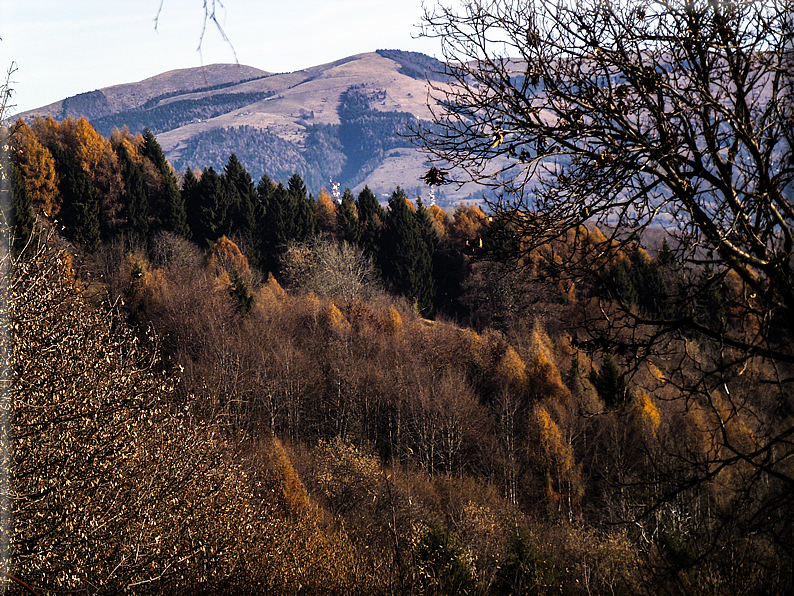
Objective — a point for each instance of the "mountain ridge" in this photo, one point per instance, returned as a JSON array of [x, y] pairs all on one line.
[[282, 122]]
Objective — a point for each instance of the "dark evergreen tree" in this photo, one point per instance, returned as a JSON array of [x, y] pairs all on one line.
[[241, 215], [404, 257], [709, 304], [305, 220], [620, 283], [450, 270], [347, 219], [241, 295], [208, 208], [427, 232], [166, 202], [189, 194], [611, 385], [275, 227], [18, 217], [370, 220], [135, 203], [653, 296], [80, 201]]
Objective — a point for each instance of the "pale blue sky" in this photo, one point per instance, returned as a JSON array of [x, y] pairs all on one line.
[[65, 47]]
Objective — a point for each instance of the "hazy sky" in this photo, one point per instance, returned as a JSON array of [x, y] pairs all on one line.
[[65, 47]]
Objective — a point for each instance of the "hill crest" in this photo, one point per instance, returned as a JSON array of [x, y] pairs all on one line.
[[346, 120]]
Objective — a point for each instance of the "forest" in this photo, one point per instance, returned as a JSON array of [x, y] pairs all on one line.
[[222, 386]]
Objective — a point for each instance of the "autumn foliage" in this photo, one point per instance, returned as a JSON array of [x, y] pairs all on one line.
[[186, 422]]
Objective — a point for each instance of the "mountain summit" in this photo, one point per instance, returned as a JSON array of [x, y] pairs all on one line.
[[344, 121]]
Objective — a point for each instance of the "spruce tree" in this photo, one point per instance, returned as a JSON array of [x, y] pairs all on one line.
[[611, 385], [189, 194], [404, 256], [18, 217], [275, 226], [347, 219], [166, 202], [80, 205], [305, 221], [134, 199], [370, 219], [241, 217], [208, 208]]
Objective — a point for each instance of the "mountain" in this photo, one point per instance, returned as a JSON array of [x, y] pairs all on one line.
[[344, 121]]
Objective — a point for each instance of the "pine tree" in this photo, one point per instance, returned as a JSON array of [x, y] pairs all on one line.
[[189, 194], [427, 232], [208, 208], [275, 226], [167, 203], [305, 220], [653, 296], [611, 385]]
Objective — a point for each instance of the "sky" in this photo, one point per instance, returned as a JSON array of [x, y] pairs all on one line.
[[64, 47]]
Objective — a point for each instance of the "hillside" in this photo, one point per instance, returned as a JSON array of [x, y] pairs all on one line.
[[345, 120]]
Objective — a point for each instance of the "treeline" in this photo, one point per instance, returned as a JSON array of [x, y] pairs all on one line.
[[346, 151], [100, 189], [311, 432], [261, 151], [168, 115]]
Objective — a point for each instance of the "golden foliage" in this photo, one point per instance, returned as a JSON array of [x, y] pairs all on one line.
[[555, 457], [511, 371], [326, 213], [646, 412], [275, 289], [37, 166], [290, 492], [468, 223], [441, 221], [335, 320], [226, 255], [85, 143], [47, 130], [392, 321]]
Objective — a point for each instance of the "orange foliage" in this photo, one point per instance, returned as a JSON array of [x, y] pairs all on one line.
[[441, 221], [326, 213], [37, 166], [511, 371], [86, 144], [227, 256], [289, 492], [646, 413], [469, 223], [47, 130], [335, 320], [275, 288], [556, 459], [392, 321]]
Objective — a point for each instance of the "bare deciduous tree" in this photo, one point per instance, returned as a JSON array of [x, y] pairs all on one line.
[[635, 116]]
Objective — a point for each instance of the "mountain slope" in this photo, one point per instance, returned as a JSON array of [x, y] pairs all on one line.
[[344, 121]]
